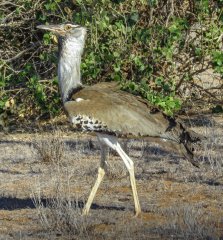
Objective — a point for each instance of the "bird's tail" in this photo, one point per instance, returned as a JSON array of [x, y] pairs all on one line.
[[190, 142]]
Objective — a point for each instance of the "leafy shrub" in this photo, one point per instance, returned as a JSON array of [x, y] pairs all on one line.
[[150, 47]]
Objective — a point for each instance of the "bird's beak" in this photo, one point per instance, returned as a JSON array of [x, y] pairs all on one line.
[[57, 29]]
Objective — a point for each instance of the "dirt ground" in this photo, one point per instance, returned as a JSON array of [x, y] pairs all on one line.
[[46, 177]]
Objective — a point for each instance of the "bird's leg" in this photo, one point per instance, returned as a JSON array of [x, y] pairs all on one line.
[[101, 173], [112, 142], [130, 166]]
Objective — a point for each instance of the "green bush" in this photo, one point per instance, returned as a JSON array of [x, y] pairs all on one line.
[[146, 45]]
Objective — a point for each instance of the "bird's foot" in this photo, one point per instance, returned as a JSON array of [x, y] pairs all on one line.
[[85, 212], [137, 214]]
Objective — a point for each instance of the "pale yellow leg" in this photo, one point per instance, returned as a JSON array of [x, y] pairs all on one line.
[[130, 166], [112, 142], [101, 173], [134, 192]]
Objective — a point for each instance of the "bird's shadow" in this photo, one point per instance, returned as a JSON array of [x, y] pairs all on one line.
[[13, 203]]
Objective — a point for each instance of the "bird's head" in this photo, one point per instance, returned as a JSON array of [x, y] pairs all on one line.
[[66, 30]]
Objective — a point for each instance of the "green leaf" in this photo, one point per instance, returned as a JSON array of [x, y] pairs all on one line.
[[134, 17]]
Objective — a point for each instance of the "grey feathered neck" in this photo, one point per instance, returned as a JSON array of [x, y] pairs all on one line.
[[70, 51]]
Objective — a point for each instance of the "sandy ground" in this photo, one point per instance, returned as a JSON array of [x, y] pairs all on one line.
[[45, 182]]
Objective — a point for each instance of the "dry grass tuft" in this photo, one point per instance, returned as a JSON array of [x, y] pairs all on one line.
[[52, 149], [59, 213], [61, 216], [188, 222], [213, 150]]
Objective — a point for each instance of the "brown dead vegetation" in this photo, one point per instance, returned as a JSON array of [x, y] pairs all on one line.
[[43, 199]]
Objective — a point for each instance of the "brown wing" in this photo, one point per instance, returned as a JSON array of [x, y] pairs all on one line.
[[120, 111]]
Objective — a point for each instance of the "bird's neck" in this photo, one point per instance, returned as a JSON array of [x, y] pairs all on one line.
[[69, 75]]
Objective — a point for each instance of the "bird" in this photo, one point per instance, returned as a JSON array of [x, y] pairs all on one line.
[[109, 112]]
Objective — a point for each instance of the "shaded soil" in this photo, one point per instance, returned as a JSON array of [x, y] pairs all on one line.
[[178, 200]]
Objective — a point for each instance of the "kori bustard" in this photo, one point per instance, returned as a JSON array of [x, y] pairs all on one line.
[[109, 112]]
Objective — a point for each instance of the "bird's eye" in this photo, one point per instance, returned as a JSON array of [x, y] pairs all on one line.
[[67, 27]]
